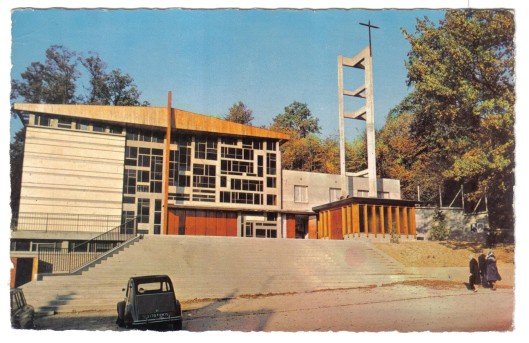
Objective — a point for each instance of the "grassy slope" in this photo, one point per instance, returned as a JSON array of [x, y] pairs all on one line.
[[441, 254]]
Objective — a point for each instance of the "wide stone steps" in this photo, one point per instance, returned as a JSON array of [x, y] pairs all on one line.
[[220, 267]]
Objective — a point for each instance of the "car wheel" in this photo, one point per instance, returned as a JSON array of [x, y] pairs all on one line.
[[121, 312]]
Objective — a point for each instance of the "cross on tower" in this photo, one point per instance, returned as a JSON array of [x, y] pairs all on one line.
[[369, 28]]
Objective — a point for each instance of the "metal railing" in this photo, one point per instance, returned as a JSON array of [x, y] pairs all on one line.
[[63, 222], [53, 260]]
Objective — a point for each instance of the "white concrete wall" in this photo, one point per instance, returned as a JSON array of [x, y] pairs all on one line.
[[319, 185], [318, 189], [72, 172]]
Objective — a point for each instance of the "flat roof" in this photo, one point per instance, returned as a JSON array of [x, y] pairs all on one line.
[[151, 117], [368, 201]]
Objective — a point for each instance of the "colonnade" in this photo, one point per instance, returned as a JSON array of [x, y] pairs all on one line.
[[356, 220]]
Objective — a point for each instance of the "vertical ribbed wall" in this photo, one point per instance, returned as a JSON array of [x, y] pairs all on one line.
[[72, 172]]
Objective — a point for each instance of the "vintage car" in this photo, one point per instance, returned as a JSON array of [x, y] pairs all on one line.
[[22, 314], [149, 300]]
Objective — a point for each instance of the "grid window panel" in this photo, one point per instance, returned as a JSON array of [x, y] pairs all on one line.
[[143, 210]]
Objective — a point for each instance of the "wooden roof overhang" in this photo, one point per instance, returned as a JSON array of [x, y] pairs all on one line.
[[154, 118], [365, 201]]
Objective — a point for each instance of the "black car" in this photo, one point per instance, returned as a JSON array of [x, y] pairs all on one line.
[[149, 300], [22, 314]]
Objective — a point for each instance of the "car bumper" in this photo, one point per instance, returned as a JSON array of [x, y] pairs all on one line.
[[157, 320]]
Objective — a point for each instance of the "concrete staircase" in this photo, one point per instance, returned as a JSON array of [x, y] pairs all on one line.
[[220, 267]]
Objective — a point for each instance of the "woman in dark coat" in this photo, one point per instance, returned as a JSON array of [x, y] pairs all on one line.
[[482, 261], [492, 270], [474, 277]]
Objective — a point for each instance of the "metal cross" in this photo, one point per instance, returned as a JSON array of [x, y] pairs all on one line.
[[369, 27]]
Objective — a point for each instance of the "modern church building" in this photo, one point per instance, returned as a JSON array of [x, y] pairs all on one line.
[[88, 169]]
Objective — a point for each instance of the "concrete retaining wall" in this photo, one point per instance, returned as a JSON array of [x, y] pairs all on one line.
[[462, 226]]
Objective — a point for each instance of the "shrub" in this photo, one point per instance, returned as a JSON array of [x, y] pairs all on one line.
[[439, 230], [394, 236]]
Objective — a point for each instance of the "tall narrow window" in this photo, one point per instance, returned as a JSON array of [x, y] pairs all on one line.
[[157, 216], [143, 210], [271, 164]]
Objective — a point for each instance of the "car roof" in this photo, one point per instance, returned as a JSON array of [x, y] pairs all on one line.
[[148, 278]]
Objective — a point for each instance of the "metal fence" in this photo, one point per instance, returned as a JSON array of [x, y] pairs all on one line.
[[64, 222], [53, 260]]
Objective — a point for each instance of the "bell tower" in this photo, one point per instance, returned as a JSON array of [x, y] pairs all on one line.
[[363, 61]]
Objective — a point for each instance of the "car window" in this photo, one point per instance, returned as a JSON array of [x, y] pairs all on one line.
[[153, 287], [17, 300]]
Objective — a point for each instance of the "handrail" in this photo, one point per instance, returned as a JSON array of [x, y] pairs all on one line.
[[110, 232], [71, 259], [63, 222]]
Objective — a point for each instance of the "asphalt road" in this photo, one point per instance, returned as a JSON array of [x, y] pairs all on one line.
[[397, 307]]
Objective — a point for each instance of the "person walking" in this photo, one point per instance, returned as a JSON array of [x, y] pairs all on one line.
[[474, 277], [482, 261], [492, 270]]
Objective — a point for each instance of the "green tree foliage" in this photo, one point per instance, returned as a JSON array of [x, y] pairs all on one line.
[[305, 151], [98, 91], [439, 230], [123, 91], [356, 154], [53, 81], [462, 73], [298, 119], [239, 113], [114, 88]]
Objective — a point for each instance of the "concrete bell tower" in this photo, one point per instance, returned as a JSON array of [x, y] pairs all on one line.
[[362, 60]]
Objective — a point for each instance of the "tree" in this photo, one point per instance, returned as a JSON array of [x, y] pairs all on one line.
[[463, 99], [296, 118], [399, 157], [98, 91], [50, 82], [356, 154], [115, 89], [311, 154], [122, 90], [239, 113]]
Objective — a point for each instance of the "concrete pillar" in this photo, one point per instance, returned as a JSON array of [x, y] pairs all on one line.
[[343, 177], [239, 225], [370, 128]]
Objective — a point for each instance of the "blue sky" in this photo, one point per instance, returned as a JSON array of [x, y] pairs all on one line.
[[211, 59]]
